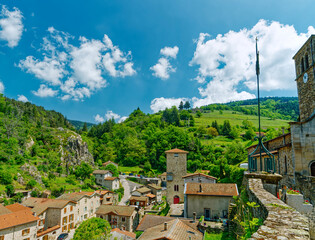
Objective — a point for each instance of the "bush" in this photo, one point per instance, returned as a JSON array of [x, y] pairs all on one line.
[[31, 184], [5, 178]]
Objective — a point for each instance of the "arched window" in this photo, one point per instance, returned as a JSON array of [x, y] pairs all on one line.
[[306, 62], [302, 65], [174, 187], [285, 165], [312, 169]]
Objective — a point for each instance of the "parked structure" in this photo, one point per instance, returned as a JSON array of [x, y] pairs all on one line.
[[210, 200], [122, 217], [176, 169]]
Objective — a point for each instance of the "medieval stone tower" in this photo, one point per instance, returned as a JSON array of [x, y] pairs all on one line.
[[305, 70], [176, 168]]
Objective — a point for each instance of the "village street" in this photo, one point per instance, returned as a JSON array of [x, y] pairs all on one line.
[[128, 186]]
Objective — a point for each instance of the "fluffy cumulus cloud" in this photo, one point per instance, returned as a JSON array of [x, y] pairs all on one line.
[[163, 67], [11, 26], [22, 98], [226, 64], [108, 116], [1, 87], [159, 104], [45, 91], [76, 71]]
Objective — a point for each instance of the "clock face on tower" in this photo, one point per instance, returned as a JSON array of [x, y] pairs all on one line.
[[305, 77]]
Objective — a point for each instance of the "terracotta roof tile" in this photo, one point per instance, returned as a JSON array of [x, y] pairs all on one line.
[[176, 230], [211, 189], [149, 221], [118, 210], [176, 150], [39, 205], [129, 234], [48, 230], [150, 195], [198, 174], [17, 207], [17, 218]]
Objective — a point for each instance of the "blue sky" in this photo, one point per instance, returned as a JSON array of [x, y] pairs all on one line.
[[106, 58]]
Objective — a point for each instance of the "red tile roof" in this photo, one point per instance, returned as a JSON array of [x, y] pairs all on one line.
[[211, 189], [48, 230], [17, 218], [176, 150], [110, 178], [198, 174], [17, 207], [129, 234]]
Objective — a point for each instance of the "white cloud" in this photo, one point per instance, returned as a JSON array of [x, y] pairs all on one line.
[[1, 87], [163, 68], [22, 98], [227, 62], [76, 72], [169, 51], [111, 115], [98, 118], [159, 104], [45, 91], [11, 26], [122, 119]]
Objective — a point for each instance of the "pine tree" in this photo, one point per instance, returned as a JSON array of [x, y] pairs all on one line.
[[84, 129], [181, 105], [187, 105]]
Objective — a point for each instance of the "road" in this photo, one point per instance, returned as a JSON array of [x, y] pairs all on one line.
[[126, 186]]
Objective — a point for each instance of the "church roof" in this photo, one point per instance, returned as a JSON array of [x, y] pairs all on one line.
[[176, 150]]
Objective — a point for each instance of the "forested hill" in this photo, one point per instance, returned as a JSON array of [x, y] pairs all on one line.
[[273, 107]]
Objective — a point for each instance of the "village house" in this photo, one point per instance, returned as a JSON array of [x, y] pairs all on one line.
[[199, 178], [163, 179], [17, 223], [157, 191], [210, 200], [138, 201], [142, 191], [86, 204], [122, 217], [105, 178], [105, 164], [116, 233], [175, 229], [111, 183], [53, 214], [107, 197]]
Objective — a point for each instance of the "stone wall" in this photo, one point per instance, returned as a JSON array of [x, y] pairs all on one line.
[[280, 220], [297, 201]]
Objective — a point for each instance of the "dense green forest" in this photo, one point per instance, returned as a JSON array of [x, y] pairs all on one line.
[[39, 148]]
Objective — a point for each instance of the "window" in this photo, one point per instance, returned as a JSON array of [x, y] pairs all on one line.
[[302, 65], [175, 154], [71, 218], [85, 216], [85, 200], [285, 165], [85, 209], [64, 220], [1, 237], [71, 225], [71, 208], [312, 168], [64, 228], [65, 210], [306, 62], [123, 219], [176, 188], [123, 228], [25, 232]]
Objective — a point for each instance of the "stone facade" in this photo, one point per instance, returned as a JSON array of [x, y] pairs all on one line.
[[24, 231], [304, 65], [176, 169], [281, 221]]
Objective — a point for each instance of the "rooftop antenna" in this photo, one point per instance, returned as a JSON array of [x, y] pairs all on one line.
[[269, 162]]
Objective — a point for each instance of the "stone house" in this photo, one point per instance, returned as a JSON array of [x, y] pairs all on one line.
[[110, 163], [295, 151], [111, 183], [122, 217], [100, 175], [175, 229], [116, 233], [138, 201], [107, 197], [157, 191], [142, 191], [52, 213], [17, 223], [199, 178], [210, 200], [86, 204], [176, 161]]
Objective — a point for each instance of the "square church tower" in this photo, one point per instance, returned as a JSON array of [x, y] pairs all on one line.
[[305, 71], [176, 168]]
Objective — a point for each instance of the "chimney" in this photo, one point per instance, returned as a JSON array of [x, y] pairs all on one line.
[[165, 226]]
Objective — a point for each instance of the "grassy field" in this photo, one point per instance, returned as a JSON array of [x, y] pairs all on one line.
[[236, 119], [129, 169], [217, 236]]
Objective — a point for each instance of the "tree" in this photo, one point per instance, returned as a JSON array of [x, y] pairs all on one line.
[[31, 184], [93, 228], [181, 106], [9, 189], [84, 129], [198, 114], [113, 169], [211, 131], [83, 171], [249, 134], [5, 178], [226, 129], [187, 105], [147, 166]]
